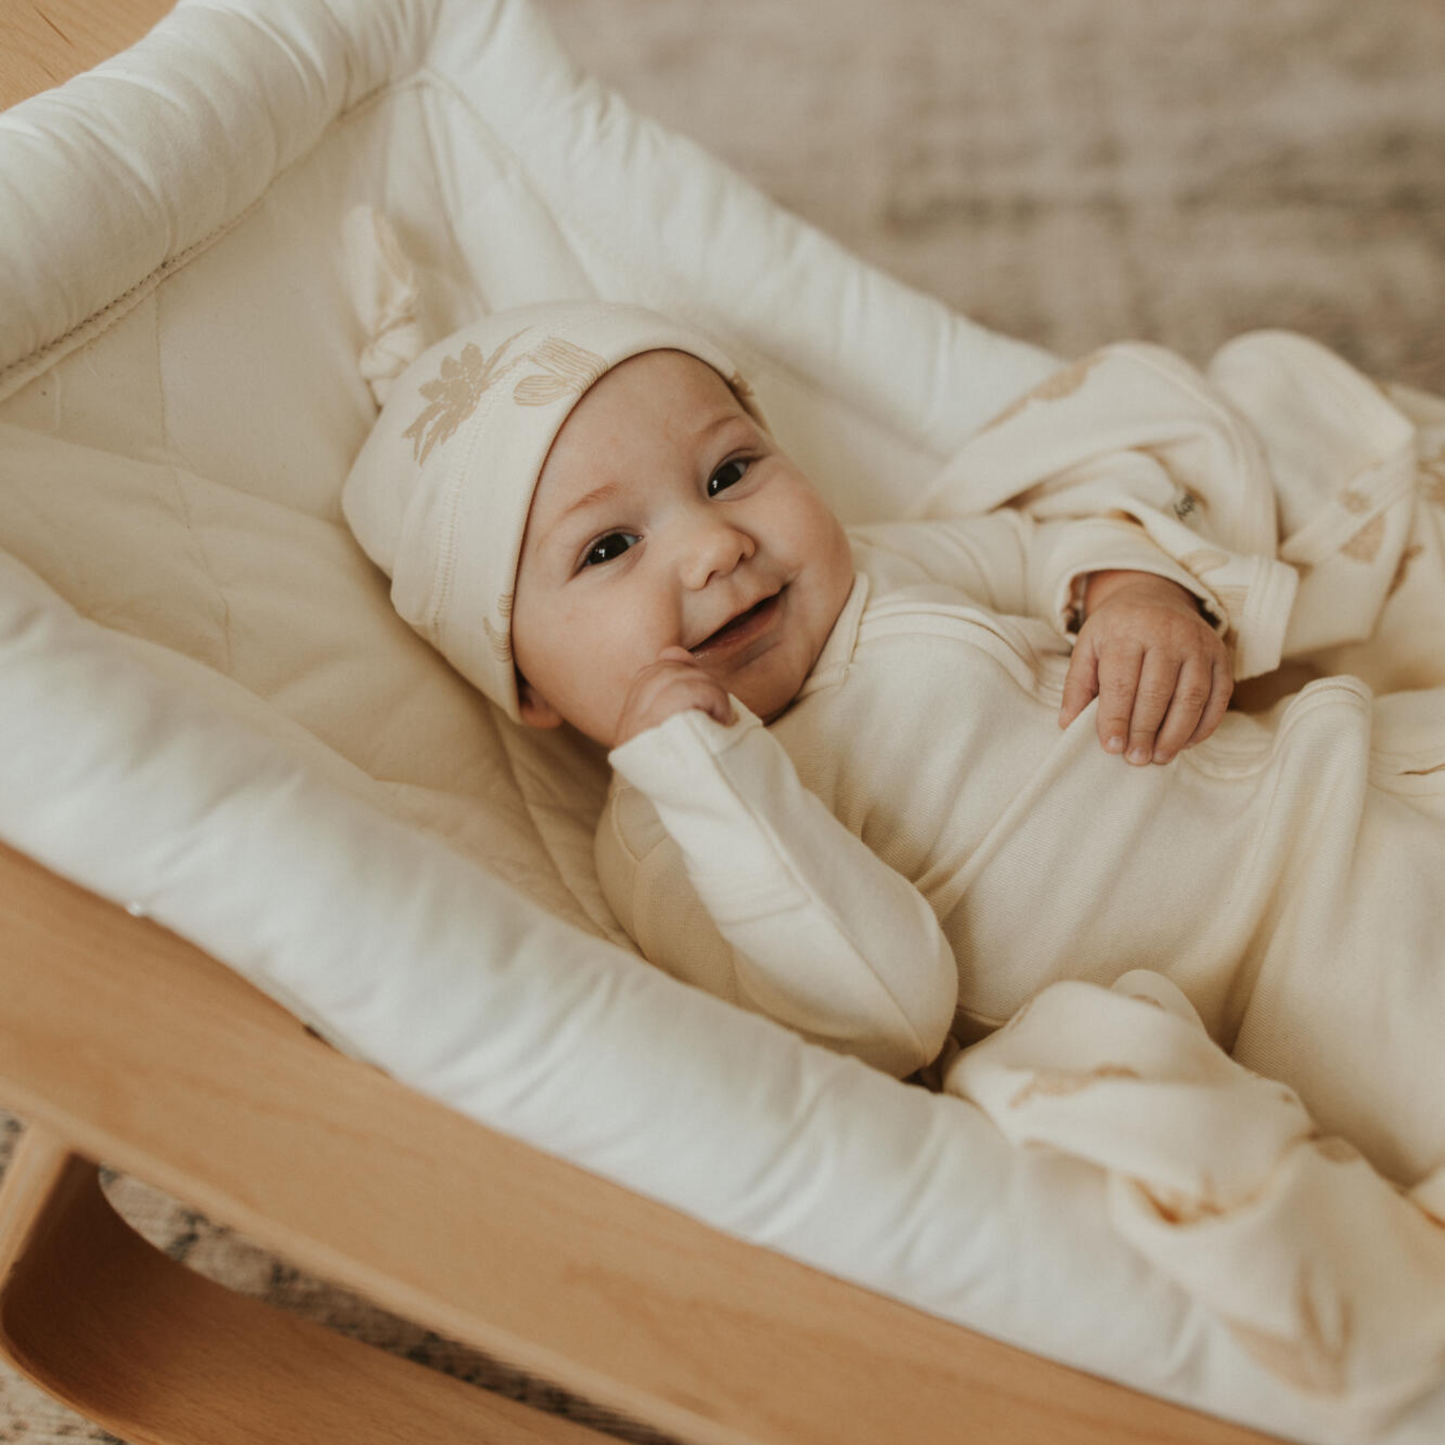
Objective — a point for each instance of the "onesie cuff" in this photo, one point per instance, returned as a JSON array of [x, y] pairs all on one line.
[[1248, 603], [1106, 546], [664, 760], [711, 785]]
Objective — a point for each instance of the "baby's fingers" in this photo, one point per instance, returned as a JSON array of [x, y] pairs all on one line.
[[1081, 683], [1154, 691], [698, 690], [1118, 672], [668, 686], [698, 684], [1194, 692], [1222, 689], [714, 701]]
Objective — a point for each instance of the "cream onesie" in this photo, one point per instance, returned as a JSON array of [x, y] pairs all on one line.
[[914, 847]]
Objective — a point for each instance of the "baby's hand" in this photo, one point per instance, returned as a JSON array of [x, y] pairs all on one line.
[[1162, 674], [674, 683]]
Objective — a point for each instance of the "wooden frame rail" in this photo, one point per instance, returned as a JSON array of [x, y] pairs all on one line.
[[148, 1348], [43, 42], [123, 1043]]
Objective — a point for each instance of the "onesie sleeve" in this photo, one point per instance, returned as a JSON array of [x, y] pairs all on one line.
[[1133, 437], [1062, 554], [1011, 563], [732, 876], [1012, 560]]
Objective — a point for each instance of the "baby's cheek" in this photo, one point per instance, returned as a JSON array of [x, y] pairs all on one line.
[[837, 564]]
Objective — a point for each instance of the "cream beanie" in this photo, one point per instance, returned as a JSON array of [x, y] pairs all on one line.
[[439, 494]]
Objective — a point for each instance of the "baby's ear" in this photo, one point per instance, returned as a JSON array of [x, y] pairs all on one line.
[[536, 711]]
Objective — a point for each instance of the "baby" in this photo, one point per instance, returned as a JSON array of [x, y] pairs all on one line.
[[857, 786], [675, 554]]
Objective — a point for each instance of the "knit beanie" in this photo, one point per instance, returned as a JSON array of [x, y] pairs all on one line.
[[438, 496]]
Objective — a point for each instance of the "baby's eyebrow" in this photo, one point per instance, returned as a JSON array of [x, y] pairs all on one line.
[[721, 422], [605, 493]]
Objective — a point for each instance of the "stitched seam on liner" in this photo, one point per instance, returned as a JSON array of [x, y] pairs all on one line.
[[192, 535], [15, 374], [112, 312]]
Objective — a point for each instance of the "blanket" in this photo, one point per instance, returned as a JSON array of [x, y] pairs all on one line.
[[1332, 1276]]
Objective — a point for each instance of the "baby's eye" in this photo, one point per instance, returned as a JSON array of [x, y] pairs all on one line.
[[604, 549], [726, 475]]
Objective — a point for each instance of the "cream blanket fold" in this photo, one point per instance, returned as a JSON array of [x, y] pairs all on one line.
[[1280, 453], [1327, 1275]]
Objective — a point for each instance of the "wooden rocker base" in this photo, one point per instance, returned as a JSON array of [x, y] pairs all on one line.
[[160, 1355], [121, 1042]]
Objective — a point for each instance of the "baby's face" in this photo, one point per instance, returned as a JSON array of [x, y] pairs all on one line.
[[666, 516]]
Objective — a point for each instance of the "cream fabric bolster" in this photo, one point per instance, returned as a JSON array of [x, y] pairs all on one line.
[[826, 937]]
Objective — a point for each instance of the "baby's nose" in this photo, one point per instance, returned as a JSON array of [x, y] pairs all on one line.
[[712, 550]]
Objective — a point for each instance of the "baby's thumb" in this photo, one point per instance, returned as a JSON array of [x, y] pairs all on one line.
[[720, 707]]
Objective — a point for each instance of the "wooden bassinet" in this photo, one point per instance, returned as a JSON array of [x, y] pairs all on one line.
[[168, 197]]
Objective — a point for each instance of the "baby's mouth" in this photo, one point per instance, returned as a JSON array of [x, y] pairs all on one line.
[[743, 628]]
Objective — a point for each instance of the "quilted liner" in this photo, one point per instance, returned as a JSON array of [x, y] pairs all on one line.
[[211, 713]]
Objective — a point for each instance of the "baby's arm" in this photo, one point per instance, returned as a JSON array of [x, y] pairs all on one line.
[[1148, 646], [752, 889]]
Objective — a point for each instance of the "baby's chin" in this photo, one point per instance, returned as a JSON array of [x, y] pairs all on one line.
[[769, 695], [777, 712], [768, 698]]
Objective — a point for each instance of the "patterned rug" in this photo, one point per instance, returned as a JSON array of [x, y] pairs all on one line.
[[1071, 171], [1080, 171]]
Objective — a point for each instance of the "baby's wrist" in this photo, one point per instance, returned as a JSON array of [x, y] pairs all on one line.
[[1100, 586]]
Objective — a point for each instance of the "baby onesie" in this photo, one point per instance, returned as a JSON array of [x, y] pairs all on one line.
[[915, 846]]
